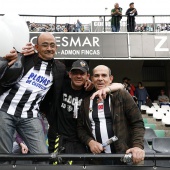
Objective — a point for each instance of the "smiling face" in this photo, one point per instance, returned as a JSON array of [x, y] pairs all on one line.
[[46, 46], [101, 77], [78, 78]]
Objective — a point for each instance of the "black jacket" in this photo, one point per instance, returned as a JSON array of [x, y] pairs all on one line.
[[49, 103]]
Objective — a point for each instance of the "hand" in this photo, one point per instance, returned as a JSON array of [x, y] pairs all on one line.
[[11, 57], [28, 49], [95, 147], [88, 85], [137, 154], [117, 10], [101, 94], [24, 148]]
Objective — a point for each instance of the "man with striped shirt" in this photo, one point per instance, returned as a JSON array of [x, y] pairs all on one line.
[[19, 104], [116, 115]]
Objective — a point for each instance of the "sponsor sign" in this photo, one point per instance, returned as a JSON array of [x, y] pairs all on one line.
[[111, 45]]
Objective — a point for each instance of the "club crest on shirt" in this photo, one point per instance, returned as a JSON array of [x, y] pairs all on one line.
[[100, 107]]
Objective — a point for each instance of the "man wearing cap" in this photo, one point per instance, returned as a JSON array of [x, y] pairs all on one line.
[[131, 13], [73, 92]]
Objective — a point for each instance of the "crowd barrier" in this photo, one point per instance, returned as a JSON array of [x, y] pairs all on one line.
[[83, 157]]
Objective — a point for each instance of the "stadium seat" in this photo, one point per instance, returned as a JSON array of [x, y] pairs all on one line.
[[149, 135], [156, 106], [165, 107], [145, 120], [150, 125], [163, 110], [166, 120], [150, 111], [158, 115], [161, 145], [160, 133], [147, 148], [143, 109]]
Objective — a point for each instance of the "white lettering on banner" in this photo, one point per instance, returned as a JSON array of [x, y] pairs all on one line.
[[73, 41], [77, 42], [90, 52], [78, 52], [99, 24], [163, 39], [70, 52]]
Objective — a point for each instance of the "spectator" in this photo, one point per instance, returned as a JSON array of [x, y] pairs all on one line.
[[117, 115], [20, 102], [78, 26], [33, 27], [125, 82], [116, 14], [163, 99], [131, 88], [100, 19], [73, 92], [141, 94], [60, 28], [131, 13]]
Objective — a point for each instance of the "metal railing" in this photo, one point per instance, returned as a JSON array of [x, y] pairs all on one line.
[[41, 161], [55, 157], [96, 23]]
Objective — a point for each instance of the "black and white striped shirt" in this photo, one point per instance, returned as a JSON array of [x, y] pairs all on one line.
[[101, 123], [23, 99]]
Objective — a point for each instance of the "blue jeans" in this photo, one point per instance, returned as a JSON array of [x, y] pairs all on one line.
[[30, 129], [141, 102], [115, 28]]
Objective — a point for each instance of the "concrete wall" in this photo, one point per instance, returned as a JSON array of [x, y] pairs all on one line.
[[133, 70], [121, 69]]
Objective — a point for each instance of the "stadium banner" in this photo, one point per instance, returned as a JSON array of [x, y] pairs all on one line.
[[98, 26], [76, 167], [110, 45], [149, 45], [88, 45]]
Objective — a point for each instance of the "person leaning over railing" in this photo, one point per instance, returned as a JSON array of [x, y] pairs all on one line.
[[131, 13], [116, 14]]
